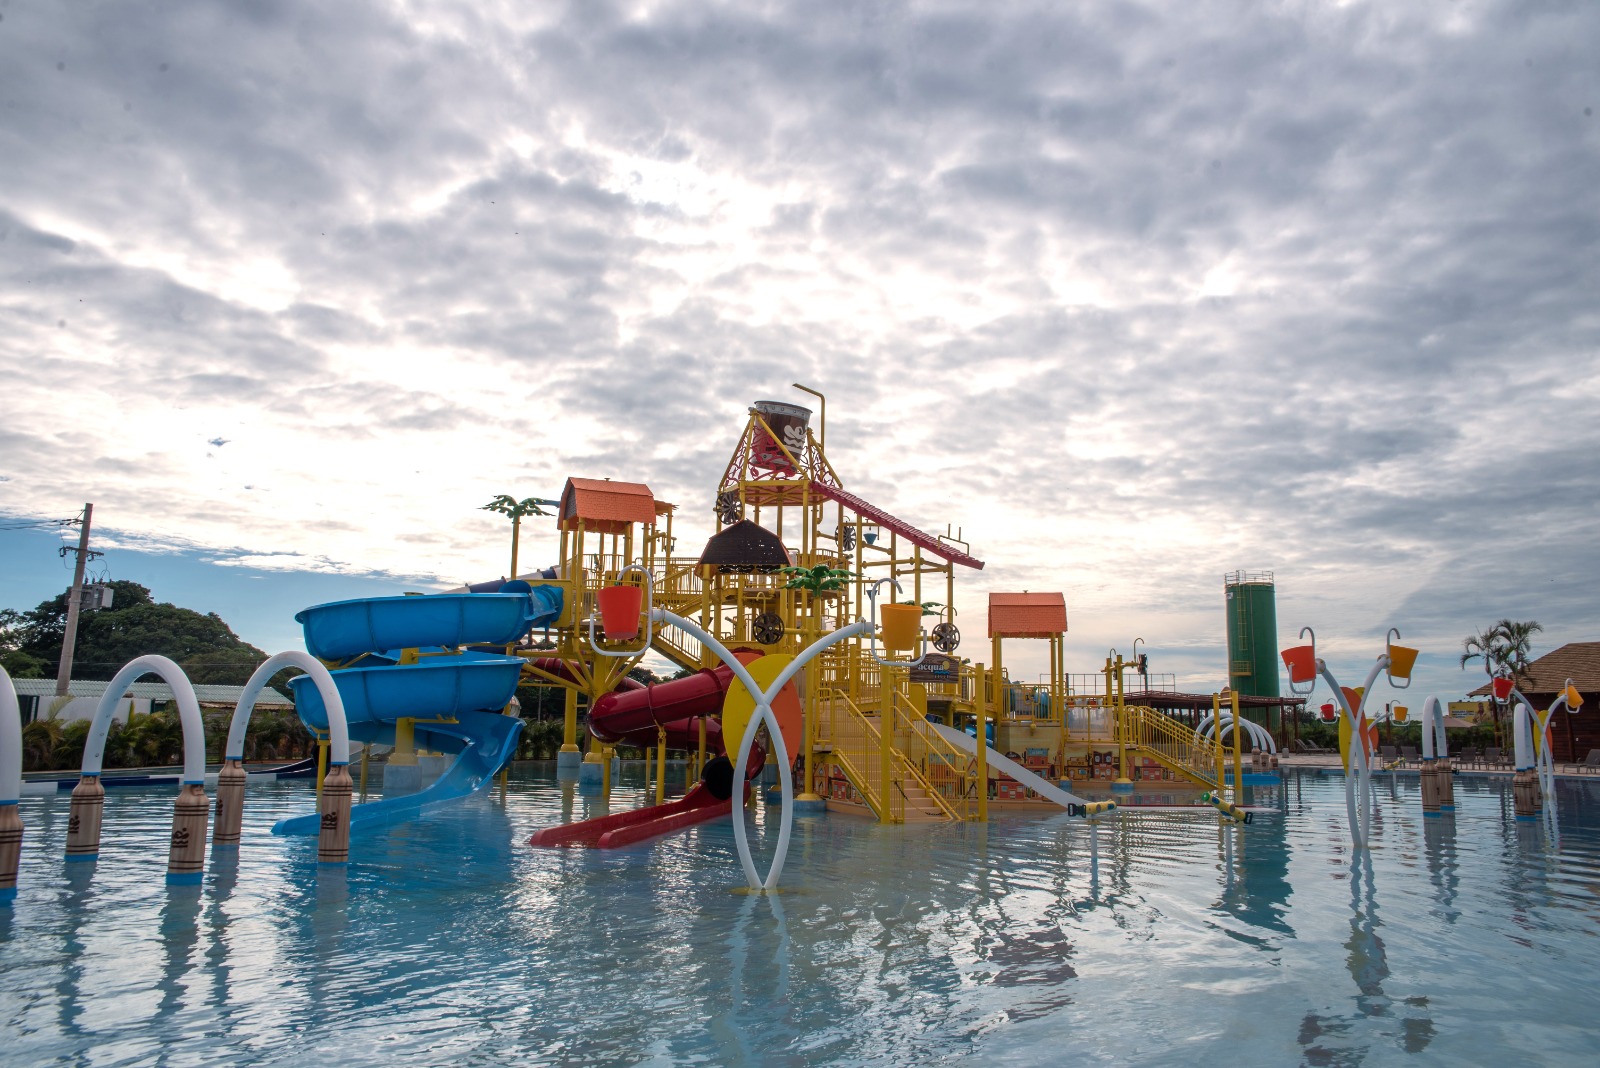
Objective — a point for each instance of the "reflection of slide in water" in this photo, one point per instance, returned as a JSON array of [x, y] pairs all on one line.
[[638, 825], [454, 699]]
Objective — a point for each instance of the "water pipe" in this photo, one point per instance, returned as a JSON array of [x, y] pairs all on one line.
[[1359, 779], [763, 714], [1258, 734], [10, 787], [333, 841], [186, 857]]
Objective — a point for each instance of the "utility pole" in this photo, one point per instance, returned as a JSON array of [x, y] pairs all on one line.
[[69, 640]]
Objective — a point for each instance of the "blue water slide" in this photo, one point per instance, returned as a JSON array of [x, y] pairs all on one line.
[[466, 690], [343, 629]]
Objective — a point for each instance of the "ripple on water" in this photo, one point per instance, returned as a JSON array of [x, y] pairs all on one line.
[[1139, 938]]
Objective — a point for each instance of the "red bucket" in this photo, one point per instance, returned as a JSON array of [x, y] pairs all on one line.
[[1502, 688], [1329, 712], [619, 611], [1301, 662]]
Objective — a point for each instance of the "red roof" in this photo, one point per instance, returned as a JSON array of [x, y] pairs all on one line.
[[604, 506], [899, 526], [1027, 615]]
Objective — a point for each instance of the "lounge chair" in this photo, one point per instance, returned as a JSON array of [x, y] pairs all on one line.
[[1388, 755], [1304, 746], [1467, 756], [1408, 753], [1591, 763], [1491, 757]]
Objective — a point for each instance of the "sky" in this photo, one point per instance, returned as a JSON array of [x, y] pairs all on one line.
[[1134, 295]]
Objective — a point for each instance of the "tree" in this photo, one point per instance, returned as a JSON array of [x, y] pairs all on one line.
[[1504, 647], [134, 625], [18, 664]]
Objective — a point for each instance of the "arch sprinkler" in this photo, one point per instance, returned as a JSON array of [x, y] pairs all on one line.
[[187, 854], [333, 842], [763, 714], [10, 787], [1304, 666], [1535, 776]]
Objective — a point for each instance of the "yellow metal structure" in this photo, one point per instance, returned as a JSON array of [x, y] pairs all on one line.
[[867, 740]]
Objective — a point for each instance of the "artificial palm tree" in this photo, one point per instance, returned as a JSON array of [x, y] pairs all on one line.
[[510, 506]]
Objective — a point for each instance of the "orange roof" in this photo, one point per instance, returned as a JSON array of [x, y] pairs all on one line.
[[1027, 615], [604, 506]]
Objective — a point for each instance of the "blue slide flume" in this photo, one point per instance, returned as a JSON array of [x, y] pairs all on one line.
[[453, 697]]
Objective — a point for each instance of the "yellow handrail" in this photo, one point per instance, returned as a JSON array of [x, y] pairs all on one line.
[[857, 752], [928, 749], [1172, 743]]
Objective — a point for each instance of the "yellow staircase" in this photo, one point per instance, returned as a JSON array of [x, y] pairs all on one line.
[[1174, 745], [856, 743]]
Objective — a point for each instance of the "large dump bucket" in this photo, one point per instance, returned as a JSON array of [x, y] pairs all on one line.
[[788, 424]]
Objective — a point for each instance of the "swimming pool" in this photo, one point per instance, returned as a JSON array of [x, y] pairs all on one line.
[[1141, 940]]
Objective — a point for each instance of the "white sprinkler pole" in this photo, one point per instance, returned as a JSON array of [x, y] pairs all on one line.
[[763, 714]]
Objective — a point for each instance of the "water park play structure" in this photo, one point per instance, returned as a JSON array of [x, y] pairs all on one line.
[[813, 624]]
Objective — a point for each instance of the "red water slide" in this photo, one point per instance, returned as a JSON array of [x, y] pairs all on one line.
[[632, 715]]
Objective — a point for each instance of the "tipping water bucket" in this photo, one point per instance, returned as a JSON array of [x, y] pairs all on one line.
[[1329, 712], [1301, 662], [1502, 688], [1574, 698], [1401, 661], [619, 611], [900, 623], [1400, 713]]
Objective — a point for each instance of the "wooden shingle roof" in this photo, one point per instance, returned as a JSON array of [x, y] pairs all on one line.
[[604, 506], [1027, 615], [1578, 661]]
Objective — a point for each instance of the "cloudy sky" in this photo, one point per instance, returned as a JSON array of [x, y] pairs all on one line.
[[1133, 294]]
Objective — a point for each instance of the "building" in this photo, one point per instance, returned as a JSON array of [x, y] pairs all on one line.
[[1571, 736], [37, 695]]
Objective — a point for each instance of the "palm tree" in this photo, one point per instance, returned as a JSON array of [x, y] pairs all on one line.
[[1503, 647], [1517, 641], [510, 506]]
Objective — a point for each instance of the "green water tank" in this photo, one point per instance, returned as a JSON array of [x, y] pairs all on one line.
[[1253, 637]]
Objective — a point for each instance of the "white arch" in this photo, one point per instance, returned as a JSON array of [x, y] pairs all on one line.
[[338, 727], [194, 730], [1434, 745], [1258, 734], [10, 741]]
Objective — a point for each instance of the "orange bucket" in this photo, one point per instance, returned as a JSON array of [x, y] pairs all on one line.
[[1329, 712], [1502, 688], [1400, 713], [900, 624], [1301, 662], [1401, 661], [619, 610]]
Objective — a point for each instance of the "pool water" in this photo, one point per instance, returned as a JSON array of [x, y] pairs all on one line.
[[1141, 939]]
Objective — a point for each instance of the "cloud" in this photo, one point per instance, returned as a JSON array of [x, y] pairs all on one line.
[[1132, 297]]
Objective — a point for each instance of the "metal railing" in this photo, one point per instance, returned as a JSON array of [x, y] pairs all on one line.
[[1172, 743], [858, 750], [949, 775]]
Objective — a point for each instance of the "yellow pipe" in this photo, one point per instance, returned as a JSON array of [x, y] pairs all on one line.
[[569, 728], [885, 737], [649, 758], [1238, 733], [661, 765], [1216, 723], [405, 743], [983, 749]]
